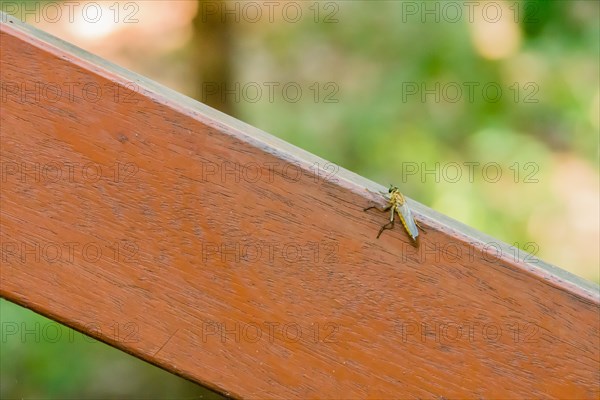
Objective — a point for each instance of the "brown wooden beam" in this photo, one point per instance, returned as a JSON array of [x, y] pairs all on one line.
[[240, 262]]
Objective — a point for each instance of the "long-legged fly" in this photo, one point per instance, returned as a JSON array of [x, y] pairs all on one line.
[[397, 205]]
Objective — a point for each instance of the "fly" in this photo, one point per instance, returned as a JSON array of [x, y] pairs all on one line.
[[397, 205]]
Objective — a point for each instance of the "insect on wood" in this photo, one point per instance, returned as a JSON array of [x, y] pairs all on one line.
[[397, 205]]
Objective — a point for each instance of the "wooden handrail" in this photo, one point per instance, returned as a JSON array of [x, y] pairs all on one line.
[[248, 265]]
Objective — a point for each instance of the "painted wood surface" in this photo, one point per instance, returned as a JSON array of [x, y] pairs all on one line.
[[218, 252]]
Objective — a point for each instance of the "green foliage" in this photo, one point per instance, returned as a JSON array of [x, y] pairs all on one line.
[[378, 53]]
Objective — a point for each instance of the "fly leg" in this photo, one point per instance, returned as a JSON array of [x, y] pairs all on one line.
[[379, 209], [419, 226], [389, 225]]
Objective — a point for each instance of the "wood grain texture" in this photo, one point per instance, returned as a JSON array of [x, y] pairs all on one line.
[[224, 257]]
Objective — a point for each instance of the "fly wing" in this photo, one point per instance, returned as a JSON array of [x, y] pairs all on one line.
[[408, 221]]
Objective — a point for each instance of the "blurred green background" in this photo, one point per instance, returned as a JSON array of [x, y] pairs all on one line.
[[387, 89]]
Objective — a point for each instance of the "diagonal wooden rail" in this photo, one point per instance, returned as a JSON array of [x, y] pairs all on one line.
[[240, 262]]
